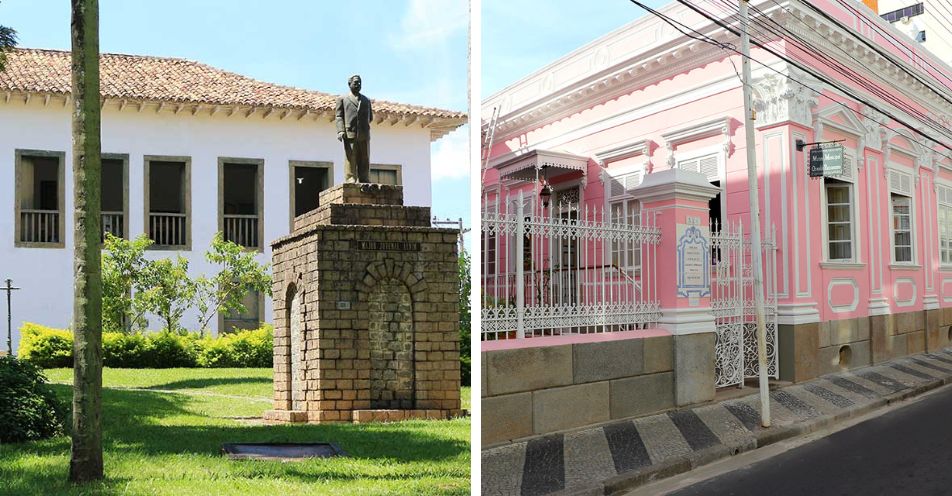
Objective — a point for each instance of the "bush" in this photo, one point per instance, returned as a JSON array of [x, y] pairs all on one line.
[[240, 349], [47, 347], [28, 408], [124, 350]]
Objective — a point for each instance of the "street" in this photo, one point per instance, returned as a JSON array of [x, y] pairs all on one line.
[[906, 451]]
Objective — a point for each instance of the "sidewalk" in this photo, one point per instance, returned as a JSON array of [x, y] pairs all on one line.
[[618, 456]]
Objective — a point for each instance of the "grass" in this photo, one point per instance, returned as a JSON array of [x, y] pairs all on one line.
[[163, 429]]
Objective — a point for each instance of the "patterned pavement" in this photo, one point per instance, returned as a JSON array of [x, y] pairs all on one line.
[[624, 454]]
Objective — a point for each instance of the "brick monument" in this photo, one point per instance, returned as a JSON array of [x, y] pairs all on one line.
[[366, 315]]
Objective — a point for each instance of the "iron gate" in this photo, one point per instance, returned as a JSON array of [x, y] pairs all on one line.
[[732, 303]]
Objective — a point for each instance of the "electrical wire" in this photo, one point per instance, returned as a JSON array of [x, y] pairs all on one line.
[[815, 74], [782, 32]]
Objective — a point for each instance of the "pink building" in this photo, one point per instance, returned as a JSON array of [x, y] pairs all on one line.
[[859, 262]]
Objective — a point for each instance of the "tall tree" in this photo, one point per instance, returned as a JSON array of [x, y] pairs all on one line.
[[8, 40], [86, 457]]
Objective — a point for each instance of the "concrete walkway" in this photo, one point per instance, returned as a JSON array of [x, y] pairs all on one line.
[[614, 457]]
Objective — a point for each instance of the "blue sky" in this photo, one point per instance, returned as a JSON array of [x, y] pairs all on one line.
[[412, 51], [522, 36]]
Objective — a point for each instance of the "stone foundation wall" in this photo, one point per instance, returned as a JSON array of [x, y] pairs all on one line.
[[808, 351], [532, 391]]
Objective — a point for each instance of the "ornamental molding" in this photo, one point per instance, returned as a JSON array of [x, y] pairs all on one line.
[[620, 152], [694, 132], [646, 52], [778, 98]]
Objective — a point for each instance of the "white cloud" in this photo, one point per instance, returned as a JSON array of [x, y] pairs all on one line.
[[450, 155], [429, 22]]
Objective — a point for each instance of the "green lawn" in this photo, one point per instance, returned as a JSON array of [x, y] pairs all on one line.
[[163, 430]]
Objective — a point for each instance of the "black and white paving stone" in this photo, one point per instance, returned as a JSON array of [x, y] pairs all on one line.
[[620, 452]]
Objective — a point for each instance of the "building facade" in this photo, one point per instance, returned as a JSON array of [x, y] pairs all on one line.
[[859, 262], [188, 151], [928, 23]]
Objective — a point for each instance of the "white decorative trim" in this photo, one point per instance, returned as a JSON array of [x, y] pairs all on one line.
[[778, 98], [682, 321], [946, 295], [674, 183], [646, 51], [878, 306], [836, 281], [797, 313], [694, 132], [615, 153], [915, 290], [930, 302]]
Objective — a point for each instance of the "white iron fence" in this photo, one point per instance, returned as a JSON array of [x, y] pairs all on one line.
[[565, 270], [732, 302]]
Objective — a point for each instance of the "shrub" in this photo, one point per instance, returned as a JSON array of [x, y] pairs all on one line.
[[29, 409], [46, 347], [169, 349], [240, 349], [124, 350]]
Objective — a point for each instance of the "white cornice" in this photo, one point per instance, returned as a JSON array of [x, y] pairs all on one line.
[[705, 129], [615, 153], [438, 127], [646, 52]]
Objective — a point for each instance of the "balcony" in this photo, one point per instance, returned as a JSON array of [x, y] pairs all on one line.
[[39, 226], [241, 230], [168, 229], [112, 224]]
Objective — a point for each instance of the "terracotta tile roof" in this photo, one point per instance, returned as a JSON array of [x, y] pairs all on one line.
[[171, 80]]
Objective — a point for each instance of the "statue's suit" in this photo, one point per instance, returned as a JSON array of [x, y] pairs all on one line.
[[354, 115]]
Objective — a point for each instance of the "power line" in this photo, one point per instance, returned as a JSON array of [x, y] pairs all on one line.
[[819, 77], [818, 92], [901, 47], [846, 71]]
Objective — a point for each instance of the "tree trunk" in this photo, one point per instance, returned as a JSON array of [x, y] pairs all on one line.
[[86, 457]]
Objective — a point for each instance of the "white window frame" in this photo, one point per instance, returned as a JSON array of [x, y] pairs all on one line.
[[849, 179], [943, 200], [717, 151], [911, 194], [625, 199]]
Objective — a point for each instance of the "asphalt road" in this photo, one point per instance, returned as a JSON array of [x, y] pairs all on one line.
[[907, 451]]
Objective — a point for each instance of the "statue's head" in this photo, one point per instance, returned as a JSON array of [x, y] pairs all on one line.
[[354, 83]]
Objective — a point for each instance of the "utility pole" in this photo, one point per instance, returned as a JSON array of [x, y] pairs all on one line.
[[9, 289], [756, 248]]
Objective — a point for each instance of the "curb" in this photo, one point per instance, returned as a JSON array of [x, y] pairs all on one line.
[[684, 463]]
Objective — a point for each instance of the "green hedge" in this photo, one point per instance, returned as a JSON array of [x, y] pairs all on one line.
[[47, 347]]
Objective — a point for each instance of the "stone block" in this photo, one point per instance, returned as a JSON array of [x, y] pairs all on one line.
[[659, 354], [693, 368], [847, 356], [915, 342], [642, 395], [528, 369], [593, 362], [570, 406], [506, 417], [848, 331], [798, 345], [880, 337]]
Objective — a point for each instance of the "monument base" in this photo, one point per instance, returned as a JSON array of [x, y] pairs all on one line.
[[359, 416]]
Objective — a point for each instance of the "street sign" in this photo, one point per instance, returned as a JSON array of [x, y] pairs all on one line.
[[826, 160]]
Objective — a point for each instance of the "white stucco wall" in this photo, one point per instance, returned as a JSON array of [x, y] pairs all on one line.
[[46, 274]]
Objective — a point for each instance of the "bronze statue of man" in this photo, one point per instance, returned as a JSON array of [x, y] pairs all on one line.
[[353, 129]]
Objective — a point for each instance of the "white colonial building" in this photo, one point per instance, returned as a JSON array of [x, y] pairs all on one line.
[[188, 150]]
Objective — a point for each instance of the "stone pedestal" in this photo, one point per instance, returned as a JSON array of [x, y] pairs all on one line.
[[366, 324], [678, 201]]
